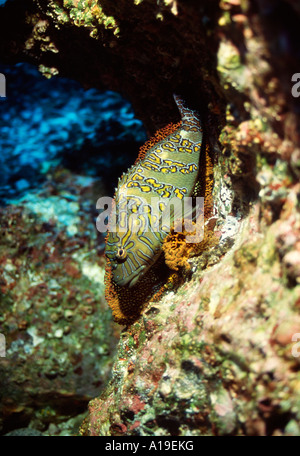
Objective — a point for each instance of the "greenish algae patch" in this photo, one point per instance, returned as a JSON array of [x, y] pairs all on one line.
[[58, 328], [85, 13]]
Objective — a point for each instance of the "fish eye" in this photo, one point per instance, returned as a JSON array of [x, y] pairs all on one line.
[[121, 255]]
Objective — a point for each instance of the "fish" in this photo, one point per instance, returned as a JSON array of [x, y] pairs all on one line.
[[146, 196]]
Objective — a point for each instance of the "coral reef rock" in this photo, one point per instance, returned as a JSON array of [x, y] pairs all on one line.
[[219, 354]]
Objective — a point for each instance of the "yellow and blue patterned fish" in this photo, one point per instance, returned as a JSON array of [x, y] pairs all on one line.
[[169, 170]]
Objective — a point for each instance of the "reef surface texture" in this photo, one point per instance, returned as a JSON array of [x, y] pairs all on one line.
[[218, 355]]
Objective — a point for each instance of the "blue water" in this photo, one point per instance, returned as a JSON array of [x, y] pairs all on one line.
[[46, 123]]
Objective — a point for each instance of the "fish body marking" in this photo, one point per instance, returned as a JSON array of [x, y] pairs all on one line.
[[168, 170]]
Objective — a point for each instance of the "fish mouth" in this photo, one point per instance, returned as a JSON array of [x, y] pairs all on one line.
[[132, 279]]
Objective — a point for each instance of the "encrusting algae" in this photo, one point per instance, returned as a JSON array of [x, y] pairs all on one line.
[[174, 164]]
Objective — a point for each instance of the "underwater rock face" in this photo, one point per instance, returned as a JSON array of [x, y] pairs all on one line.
[[211, 358], [58, 333], [220, 354]]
